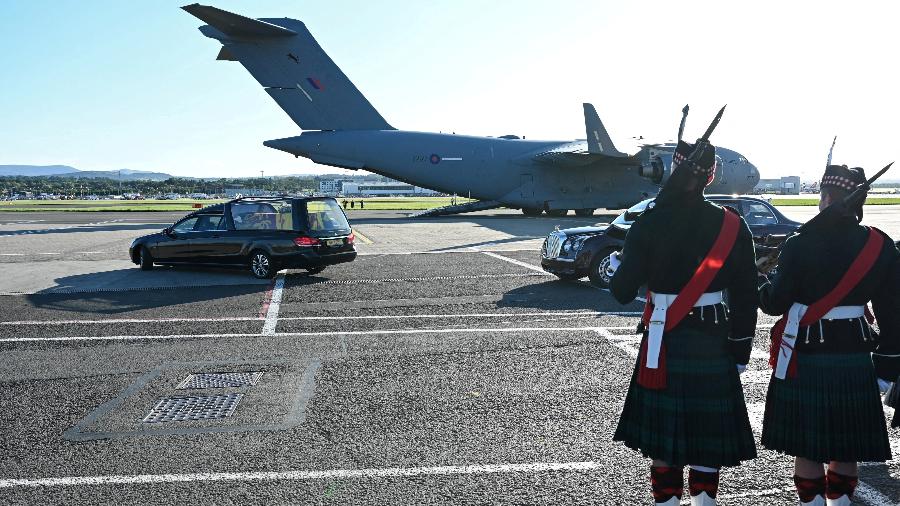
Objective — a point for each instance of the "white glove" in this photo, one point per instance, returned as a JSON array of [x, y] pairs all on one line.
[[614, 263], [741, 368], [883, 386]]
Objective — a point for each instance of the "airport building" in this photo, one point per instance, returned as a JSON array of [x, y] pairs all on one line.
[[788, 185], [391, 188], [331, 186]]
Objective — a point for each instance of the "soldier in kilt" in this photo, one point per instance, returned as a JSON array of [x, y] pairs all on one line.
[[826, 411], [696, 415]]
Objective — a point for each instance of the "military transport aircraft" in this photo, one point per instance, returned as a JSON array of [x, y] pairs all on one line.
[[342, 129]]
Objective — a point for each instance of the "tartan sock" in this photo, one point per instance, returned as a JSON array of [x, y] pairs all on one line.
[[700, 481], [809, 488], [840, 484], [666, 482]]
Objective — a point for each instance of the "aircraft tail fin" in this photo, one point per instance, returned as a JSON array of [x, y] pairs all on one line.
[[597, 138], [285, 58]]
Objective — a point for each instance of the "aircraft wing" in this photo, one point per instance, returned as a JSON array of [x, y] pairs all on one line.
[[578, 154], [598, 148]]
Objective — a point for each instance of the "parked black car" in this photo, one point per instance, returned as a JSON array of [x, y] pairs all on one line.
[[263, 233], [574, 253]]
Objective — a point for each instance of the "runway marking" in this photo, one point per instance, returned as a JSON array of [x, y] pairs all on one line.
[[52, 253], [865, 492], [274, 305], [295, 334], [362, 237], [514, 261], [314, 318], [45, 230], [134, 320], [392, 472]]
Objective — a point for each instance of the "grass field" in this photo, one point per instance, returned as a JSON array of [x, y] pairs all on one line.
[[871, 201], [374, 203]]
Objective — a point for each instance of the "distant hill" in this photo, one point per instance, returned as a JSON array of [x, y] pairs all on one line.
[[35, 170], [67, 171]]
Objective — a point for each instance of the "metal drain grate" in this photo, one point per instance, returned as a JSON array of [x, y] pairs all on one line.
[[220, 380], [202, 407]]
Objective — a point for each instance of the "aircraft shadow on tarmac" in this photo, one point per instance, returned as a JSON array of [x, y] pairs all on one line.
[[68, 229], [508, 223], [120, 291]]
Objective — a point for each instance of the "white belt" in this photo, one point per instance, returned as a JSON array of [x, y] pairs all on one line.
[[795, 314], [661, 303]]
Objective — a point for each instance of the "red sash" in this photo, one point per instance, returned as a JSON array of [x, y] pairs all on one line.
[[688, 296], [858, 270]]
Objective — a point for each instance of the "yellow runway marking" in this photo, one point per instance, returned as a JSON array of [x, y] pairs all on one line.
[[361, 237]]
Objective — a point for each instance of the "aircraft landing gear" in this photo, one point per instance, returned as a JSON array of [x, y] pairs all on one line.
[[557, 213], [531, 211], [584, 212]]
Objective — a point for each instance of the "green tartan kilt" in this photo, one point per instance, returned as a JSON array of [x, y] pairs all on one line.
[[831, 411], [700, 418]]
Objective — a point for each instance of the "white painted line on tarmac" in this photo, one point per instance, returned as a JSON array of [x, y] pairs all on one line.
[[325, 318], [296, 334], [274, 306], [514, 261], [133, 320], [392, 472], [870, 495]]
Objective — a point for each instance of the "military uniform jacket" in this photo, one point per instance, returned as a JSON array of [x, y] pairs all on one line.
[[811, 265], [663, 249]]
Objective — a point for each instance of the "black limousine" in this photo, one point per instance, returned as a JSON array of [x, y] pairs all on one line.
[[574, 253], [264, 234]]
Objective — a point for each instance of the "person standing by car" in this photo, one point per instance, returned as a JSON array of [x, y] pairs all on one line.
[[685, 404], [823, 403]]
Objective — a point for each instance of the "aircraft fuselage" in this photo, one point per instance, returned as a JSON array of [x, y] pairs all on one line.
[[489, 168]]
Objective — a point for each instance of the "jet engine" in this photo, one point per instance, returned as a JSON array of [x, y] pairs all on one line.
[[659, 168]]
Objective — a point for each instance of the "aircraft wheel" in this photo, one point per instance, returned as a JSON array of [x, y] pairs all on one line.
[[584, 212], [557, 213], [531, 211]]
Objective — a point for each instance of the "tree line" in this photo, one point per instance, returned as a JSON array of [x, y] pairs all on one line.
[[15, 185]]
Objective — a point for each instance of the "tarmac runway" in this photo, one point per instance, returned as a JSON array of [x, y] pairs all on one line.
[[442, 366]]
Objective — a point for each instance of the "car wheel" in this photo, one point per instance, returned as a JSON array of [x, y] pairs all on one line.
[[584, 213], [557, 213], [315, 270], [597, 274], [567, 277], [531, 211], [261, 265], [145, 259]]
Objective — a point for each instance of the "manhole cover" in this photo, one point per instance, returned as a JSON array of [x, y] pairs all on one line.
[[195, 407], [220, 380]]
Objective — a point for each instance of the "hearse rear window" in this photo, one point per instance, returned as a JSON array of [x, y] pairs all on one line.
[[325, 216], [275, 215]]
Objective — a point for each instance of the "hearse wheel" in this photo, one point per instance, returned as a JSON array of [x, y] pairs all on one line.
[[261, 265]]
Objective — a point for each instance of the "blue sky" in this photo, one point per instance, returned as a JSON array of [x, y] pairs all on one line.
[[112, 84]]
